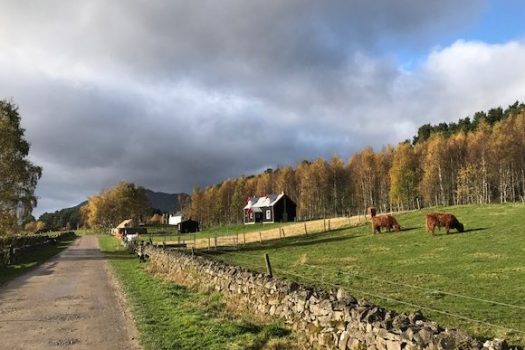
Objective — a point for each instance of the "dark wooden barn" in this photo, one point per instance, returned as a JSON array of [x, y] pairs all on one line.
[[188, 226], [269, 209]]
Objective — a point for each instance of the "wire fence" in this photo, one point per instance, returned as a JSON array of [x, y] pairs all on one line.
[[318, 275], [290, 230], [429, 290]]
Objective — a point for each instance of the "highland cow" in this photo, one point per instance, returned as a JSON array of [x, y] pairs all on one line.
[[446, 220], [384, 221]]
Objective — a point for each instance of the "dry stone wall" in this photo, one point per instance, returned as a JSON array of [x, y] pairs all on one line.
[[12, 248], [322, 319]]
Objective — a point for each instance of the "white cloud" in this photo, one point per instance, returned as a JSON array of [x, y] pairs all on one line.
[[466, 77]]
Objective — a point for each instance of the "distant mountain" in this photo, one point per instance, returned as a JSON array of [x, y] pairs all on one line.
[[79, 205], [166, 202]]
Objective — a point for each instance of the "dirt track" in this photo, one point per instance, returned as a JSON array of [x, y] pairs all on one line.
[[70, 302]]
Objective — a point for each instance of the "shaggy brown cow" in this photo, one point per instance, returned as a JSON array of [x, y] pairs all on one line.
[[384, 221], [446, 220]]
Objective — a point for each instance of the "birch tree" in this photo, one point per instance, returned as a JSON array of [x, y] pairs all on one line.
[[18, 175]]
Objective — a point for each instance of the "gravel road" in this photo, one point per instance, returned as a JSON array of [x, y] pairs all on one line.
[[69, 302]]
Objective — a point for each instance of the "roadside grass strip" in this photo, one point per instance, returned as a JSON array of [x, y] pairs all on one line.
[[169, 316]]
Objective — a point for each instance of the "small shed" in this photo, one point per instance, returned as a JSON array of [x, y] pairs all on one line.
[[126, 224], [127, 227], [269, 209], [188, 226]]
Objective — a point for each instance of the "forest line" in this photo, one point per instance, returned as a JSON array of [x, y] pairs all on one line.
[[474, 161]]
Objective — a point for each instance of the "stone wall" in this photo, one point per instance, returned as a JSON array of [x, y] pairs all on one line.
[[12, 248], [322, 319]]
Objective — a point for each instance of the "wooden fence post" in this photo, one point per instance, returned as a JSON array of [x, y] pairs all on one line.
[[268, 265], [208, 242], [324, 224], [329, 225], [284, 236], [260, 237], [244, 238], [305, 230]]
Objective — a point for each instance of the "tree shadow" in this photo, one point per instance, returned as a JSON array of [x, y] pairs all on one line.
[[455, 232], [103, 257], [475, 229], [404, 229], [303, 241]]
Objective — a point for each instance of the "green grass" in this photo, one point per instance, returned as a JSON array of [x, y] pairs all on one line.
[[169, 233], [169, 316], [34, 258], [485, 262]]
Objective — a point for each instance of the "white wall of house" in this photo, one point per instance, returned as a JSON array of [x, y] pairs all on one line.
[[174, 219]]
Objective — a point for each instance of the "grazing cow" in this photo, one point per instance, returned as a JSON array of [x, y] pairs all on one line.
[[384, 221], [446, 220]]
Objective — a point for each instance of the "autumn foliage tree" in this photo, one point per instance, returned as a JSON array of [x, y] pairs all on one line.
[[18, 175], [479, 160], [35, 226], [403, 177], [112, 206]]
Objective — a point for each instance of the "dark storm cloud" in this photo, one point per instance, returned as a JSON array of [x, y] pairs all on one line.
[[225, 42], [177, 94]]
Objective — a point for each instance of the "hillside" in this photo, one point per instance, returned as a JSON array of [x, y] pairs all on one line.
[[166, 202]]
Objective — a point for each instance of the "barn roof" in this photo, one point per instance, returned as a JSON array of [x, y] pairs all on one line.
[[266, 201], [125, 223]]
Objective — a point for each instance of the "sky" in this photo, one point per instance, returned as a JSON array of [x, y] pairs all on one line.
[[176, 94]]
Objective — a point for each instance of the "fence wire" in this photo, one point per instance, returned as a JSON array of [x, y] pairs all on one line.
[[316, 279]]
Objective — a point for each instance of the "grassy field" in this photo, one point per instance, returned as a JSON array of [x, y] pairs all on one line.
[[35, 258], [478, 274], [169, 316], [169, 233]]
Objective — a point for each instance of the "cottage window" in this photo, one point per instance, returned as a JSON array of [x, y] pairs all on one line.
[[251, 215], [268, 214]]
